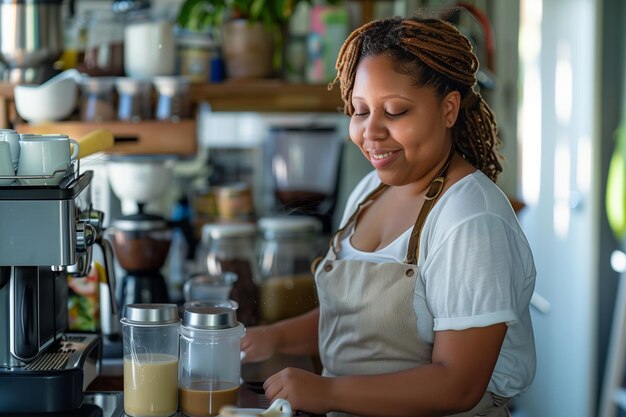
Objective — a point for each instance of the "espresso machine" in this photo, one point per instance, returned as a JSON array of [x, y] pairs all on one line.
[[46, 232]]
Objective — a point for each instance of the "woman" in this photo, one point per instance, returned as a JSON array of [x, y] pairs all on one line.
[[425, 290]]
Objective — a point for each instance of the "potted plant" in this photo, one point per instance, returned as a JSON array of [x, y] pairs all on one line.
[[252, 32], [248, 30]]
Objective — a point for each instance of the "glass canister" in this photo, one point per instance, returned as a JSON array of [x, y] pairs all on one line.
[[134, 103], [230, 247], [195, 52], [151, 338], [104, 49], [172, 98], [210, 361], [289, 244], [97, 99]]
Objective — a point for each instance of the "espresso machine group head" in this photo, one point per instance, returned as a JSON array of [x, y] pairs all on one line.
[[45, 233]]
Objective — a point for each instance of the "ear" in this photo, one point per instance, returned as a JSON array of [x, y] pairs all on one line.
[[450, 105]]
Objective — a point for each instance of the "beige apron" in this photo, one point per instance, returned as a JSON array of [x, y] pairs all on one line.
[[367, 321]]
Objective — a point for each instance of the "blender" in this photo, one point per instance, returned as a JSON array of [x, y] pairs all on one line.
[[141, 240]]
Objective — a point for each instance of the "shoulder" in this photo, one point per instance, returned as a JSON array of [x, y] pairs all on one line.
[[474, 195]]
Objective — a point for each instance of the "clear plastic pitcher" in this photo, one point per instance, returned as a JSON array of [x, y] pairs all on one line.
[[150, 337], [210, 364]]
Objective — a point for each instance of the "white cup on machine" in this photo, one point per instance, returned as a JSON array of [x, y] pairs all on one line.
[[13, 139], [45, 155], [6, 166]]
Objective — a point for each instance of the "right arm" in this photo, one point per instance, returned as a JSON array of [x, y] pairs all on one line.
[[294, 336]]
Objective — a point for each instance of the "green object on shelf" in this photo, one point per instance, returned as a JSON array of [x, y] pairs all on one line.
[[616, 185]]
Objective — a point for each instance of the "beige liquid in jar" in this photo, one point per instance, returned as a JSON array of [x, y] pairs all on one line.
[[205, 398], [150, 385], [287, 296]]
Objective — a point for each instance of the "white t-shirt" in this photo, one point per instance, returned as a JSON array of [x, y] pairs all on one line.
[[475, 269]]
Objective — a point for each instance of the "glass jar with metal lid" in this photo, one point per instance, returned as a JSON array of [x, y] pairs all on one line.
[[288, 246], [210, 362], [134, 102], [97, 99], [230, 247], [150, 340]]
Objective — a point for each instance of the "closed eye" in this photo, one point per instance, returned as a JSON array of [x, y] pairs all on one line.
[[395, 114]]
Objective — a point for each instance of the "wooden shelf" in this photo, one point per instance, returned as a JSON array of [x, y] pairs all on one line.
[[268, 96], [148, 137], [255, 95]]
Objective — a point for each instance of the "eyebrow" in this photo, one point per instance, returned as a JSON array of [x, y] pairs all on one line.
[[388, 97]]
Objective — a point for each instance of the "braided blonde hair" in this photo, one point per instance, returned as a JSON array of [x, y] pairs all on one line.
[[436, 54]]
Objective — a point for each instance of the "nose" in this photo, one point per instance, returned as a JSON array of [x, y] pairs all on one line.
[[375, 128]]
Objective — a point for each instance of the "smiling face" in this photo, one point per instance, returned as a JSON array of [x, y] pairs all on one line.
[[401, 128]]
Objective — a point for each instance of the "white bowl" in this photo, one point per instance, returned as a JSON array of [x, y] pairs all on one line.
[[140, 181], [51, 101]]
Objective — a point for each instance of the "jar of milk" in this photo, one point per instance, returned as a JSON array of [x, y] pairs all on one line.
[[150, 335], [149, 45]]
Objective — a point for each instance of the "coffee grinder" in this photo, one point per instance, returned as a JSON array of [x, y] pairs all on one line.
[[141, 240], [46, 231], [305, 166]]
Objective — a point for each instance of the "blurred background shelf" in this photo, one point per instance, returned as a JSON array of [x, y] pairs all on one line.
[[147, 137], [268, 96]]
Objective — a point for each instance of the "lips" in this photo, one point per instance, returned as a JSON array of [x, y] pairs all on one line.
[[380, 158]]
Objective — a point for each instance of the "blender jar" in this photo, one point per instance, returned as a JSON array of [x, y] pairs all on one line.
[[150, 339], [210, 361]]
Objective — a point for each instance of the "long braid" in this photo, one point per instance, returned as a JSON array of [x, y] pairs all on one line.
[[437, 55]]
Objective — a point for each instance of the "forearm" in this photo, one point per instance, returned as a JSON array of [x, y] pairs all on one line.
[[430, 390], [298, 335]]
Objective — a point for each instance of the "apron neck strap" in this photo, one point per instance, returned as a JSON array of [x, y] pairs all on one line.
[[433, 193], [431, 197]]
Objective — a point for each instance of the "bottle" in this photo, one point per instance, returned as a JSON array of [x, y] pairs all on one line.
[[288, 247]]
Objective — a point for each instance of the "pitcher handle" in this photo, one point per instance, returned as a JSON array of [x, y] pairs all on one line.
[[281, 405]]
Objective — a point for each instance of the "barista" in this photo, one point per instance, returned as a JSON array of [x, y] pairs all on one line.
[[424, 293]]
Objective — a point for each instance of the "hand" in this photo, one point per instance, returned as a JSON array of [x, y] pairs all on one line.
[[259, 343], [304, 390]]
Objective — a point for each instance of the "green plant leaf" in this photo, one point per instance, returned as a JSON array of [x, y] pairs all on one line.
[[186, 13], [256, 10]]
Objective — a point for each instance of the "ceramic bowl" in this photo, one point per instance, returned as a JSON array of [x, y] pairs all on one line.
[[51, 101]]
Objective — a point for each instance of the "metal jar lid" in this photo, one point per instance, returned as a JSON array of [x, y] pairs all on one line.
[[289, 224], [204, 317], [150, 314], [227, 230]]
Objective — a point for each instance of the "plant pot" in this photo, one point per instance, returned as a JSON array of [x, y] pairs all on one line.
[[248, 50]]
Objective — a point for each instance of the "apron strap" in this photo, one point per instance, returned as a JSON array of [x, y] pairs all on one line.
[[431, 197]]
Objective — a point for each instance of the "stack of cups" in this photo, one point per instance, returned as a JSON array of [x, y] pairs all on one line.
[[37, 159], [204, 378], [9, 154]]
